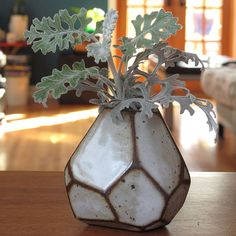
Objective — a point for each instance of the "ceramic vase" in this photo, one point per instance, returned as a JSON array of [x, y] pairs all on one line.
[[128, 175]]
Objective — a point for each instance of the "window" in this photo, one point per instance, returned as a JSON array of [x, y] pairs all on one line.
[[203, 22], [140, 7], [203, 33]]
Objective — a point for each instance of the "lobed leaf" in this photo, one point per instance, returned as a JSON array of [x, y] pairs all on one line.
[[101, 50], [185, 103], [60, 82], [174, 55], [58, 32], [137, 104], [150, 30], [207, 108]]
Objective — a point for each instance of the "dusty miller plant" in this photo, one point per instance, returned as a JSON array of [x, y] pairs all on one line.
[[125, 90]]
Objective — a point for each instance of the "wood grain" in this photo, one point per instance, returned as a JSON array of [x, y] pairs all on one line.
[[35, 203], [48, 148]]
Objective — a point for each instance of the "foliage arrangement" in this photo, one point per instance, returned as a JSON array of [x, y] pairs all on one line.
[[125, 90]]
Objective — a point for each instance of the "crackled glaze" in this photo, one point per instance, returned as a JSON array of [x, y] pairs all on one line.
[[128, 175], [104, 154], [136, 199], [157, 151], [88, 204]]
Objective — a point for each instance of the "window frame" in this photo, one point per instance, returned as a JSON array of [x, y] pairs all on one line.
[[180, 10]]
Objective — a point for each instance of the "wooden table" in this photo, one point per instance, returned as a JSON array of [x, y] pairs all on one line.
[[35, 203]]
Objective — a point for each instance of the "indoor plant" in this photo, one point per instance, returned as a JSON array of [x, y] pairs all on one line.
[[127, 172]]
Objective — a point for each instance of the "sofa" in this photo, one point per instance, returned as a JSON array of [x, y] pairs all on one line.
[[220, 84]]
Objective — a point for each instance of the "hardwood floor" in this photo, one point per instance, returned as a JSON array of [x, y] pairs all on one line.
[[34, 138], [198, 146]]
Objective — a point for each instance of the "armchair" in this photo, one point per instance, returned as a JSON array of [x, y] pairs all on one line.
[[220, 83]]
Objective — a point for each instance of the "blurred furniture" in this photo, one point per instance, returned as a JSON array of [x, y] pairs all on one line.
[[17, 72], [35, 203], [220, 84], [17, 78], [12, 48]]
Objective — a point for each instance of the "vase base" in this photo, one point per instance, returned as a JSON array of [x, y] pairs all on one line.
[[123, 226]]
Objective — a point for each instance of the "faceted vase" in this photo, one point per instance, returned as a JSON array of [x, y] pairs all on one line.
[[128, 175]]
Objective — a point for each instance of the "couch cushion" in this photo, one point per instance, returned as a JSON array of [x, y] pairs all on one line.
[[226, 116], [220, 84]]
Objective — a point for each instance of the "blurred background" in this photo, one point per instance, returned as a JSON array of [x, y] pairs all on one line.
[[37, 138]]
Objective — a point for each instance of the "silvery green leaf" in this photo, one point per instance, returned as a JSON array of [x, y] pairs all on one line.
[[99, 26], [83, 19], [102, 97], [101, 50], [128, 47], [104, 72], [159, 25], [137, 104], [84, 87], [61, 81], [109, 24], [156, 49], [185, 103], [142, 88], [207, 108], [60, 31], [173, 55], [99, 88], [94, 101], [173, 80]]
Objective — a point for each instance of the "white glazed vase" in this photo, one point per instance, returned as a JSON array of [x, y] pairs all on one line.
[[129, 175]]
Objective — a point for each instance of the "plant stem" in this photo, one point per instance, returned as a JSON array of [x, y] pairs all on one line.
[[140, 72], [115, 76], [101, 91], [154, 72], [120, 65], [109, 83]]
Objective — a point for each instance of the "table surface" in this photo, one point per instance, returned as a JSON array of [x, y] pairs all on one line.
[[35, 203]]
